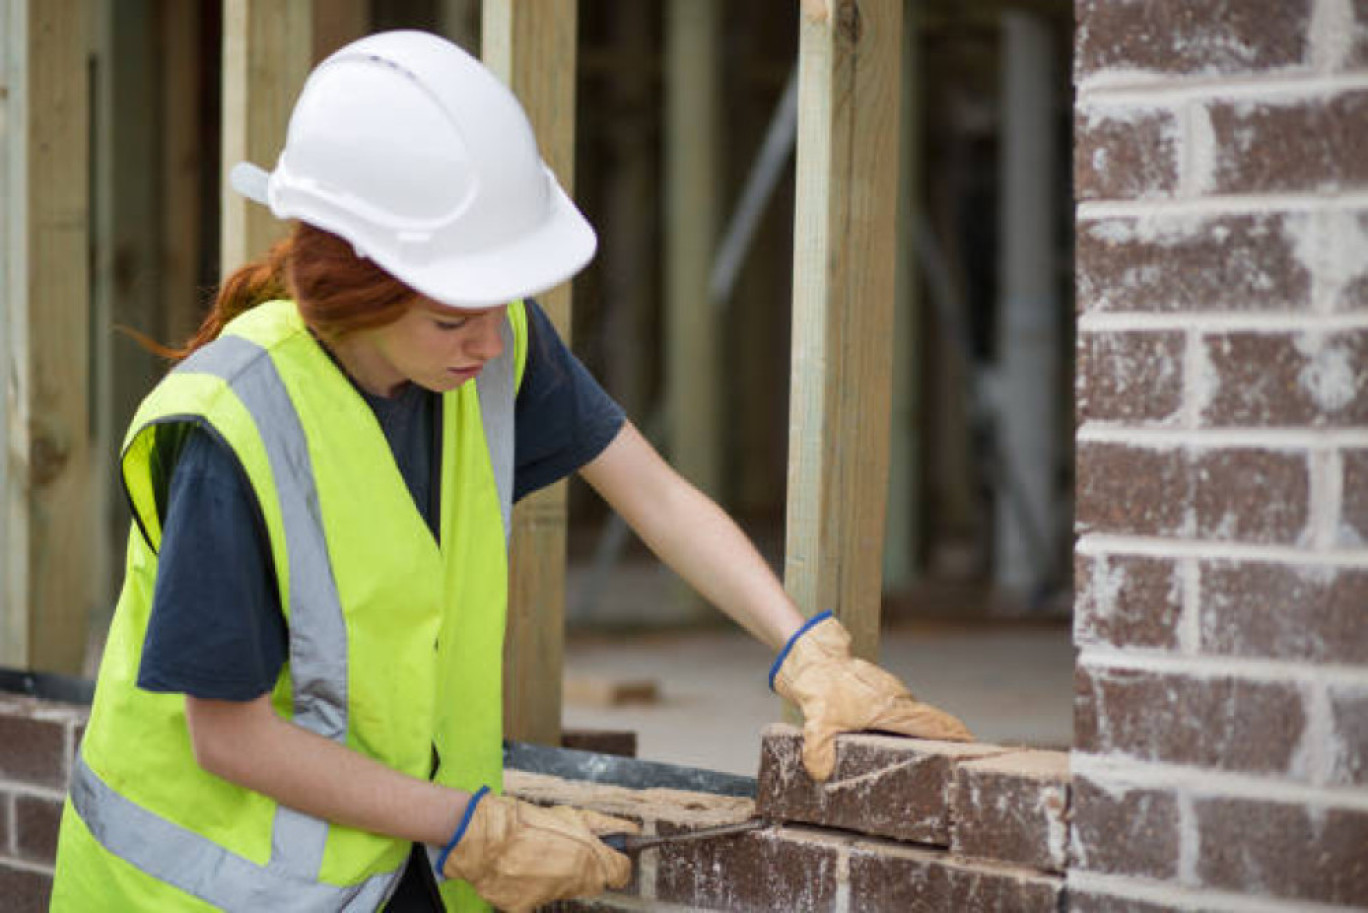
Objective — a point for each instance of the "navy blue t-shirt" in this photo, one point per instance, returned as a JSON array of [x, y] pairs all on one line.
[[216, 630]]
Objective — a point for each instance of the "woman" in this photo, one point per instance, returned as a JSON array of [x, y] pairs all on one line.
[[298, 707]]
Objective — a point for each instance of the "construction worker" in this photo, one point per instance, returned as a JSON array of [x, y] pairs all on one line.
[[299, 703]]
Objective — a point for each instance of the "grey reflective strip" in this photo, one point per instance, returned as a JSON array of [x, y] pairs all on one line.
[[497, 388], [202, 868], [318, 629]]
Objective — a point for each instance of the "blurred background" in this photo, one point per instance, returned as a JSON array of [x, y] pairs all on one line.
[[977, 575]]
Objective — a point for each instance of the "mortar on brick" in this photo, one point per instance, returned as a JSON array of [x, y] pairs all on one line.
[[892, 877], [685, 809]]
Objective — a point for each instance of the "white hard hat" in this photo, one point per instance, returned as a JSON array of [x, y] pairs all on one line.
[[407, 147]]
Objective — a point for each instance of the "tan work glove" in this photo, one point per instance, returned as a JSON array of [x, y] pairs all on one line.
[[519, 856], [839, 693]]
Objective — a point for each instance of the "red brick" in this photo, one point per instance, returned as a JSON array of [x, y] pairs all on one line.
[[1125, 153], [1135, 378], [890, 878], [1191, 263], [24, 891], [35, 824], [1013, 808], [6, 804], [1288, 379], [34, 736], [1304, 145], [1283, 850], [882, 785], [1249, 495], [1133, 490], [1179, 37], [1354, 512], [1358, 51], [1123, 831], [1220, 722], [1282, 611], [1125, 601], [774, 869], [1349, 736], [1353, 295]]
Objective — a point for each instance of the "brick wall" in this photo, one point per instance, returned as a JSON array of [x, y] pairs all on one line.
[[902, 826], [37, 742], [1222, 503]]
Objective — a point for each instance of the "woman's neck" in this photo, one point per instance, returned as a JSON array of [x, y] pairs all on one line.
[[365, 364]]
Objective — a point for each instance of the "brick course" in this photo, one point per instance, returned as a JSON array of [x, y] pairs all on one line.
[[1120, 830], [1127, 601], [1013, 808], [1174, 37], [1287, 379], [1167, 263], [1219, 722], [1307, 144], [1132, 378], [910, 880], [1283, 611]]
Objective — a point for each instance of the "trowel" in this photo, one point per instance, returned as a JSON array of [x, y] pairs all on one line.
[[634, 843]]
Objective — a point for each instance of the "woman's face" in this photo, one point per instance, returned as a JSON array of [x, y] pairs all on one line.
[[433, 346]]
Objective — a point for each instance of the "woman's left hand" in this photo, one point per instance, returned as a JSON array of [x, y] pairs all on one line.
[[840, 693]]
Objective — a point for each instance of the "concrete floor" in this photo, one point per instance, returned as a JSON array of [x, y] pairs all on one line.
[[1010, 681]]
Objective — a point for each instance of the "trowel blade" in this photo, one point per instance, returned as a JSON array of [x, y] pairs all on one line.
[[619, 771]]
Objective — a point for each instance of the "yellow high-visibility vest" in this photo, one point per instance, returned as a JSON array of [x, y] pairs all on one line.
[[395, 640]]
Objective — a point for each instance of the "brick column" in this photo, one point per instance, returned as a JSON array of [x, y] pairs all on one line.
[[1221, 747]]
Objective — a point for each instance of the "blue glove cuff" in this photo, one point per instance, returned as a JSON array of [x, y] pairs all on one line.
[[783, 654], [461, 829]]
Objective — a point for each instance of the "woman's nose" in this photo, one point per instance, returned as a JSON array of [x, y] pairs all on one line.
[[487, 342]]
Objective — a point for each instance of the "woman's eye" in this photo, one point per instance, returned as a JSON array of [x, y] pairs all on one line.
[[450, 324]]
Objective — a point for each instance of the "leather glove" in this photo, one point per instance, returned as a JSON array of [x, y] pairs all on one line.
[[519, 856], [838, 693]]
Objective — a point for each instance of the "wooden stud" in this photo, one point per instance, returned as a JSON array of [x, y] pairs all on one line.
[[183, 157], [49, 528], [531, 45], [902, 544], [844, 249], [337, 23], [267, 52]]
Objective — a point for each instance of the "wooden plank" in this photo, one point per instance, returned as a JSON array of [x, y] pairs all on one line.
[[844, 248], [183, 156], [338, 22], [49, 514], [691, 204], [902, 543], [267, 52], [531, 45]]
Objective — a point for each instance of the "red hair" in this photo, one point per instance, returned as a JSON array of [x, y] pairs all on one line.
[[337, 292]]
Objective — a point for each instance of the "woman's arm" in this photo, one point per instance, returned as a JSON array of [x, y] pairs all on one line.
[[247, 743], [693, 536]]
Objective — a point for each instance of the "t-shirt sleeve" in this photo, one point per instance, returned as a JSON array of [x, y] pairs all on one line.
[[216, 630], [563, 418]]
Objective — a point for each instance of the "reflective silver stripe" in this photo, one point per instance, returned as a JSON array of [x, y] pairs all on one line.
[[497, 389], [201, 867], [318, 630]]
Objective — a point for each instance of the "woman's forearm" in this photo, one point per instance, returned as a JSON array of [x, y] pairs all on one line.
[[248, 744], [692, 535]]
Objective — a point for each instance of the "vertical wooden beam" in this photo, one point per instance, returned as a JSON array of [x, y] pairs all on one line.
[[902, 543], [691, 203], [459, 21], [337, 23], [531, 45], [844, 248], [691, 178], [49, 526], [183, 157], [267, 52]]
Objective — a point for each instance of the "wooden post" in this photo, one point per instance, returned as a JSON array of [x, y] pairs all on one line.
[[905, 453], [691, 176], [267, 51], [844, 248], [183, 158], [531, 45], [459, 21], [337, 23], [48, 515]]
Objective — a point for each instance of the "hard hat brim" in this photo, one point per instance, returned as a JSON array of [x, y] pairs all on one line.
[[534, 262]]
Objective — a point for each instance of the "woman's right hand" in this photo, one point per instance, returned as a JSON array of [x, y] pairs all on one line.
[[519, 856]]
